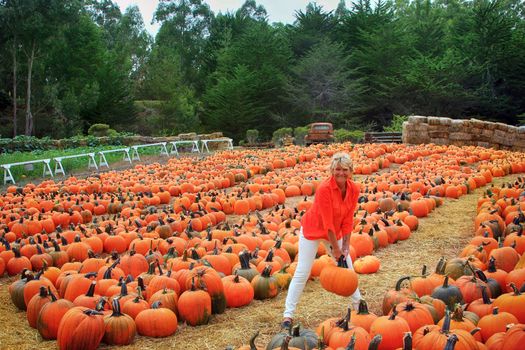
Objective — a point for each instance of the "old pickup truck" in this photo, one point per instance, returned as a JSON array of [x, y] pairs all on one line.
[[319, 133]]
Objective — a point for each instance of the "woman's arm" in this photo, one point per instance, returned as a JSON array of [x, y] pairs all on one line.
[[336, 251], [345, 246]]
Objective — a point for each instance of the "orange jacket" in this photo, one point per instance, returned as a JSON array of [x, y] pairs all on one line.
[[330, 211]]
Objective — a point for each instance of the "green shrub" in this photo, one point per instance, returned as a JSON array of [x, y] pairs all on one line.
[[396, 124], [279, 134], [343, 135], [99, 130], [299, 133], [252, 135]]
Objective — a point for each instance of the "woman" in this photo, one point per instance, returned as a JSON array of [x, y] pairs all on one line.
[[329, 219]]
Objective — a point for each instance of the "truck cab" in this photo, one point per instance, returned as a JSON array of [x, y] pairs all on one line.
[[319, 133]]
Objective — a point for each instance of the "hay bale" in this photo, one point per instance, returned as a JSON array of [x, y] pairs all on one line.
[[438, 134], [477, 123], [439, 140], [417, 119], [521, 129], [483, 144], [457, 125], [460, 136], [191, 136], [502, 127], [434, 121]]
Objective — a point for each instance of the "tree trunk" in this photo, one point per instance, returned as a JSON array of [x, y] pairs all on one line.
[[29, 115], [15, 120]]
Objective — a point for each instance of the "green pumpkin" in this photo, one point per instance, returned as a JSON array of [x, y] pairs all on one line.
[[305, 339]]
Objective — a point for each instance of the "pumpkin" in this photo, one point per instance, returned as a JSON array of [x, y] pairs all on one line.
[[391, 328], [494, 323], [120, 329], [449, 294], [194, 306], [80, 328], [50, 316], [264, 285], [157, 322], [397, 295], [339, 279], [238, 291], [304, 339]]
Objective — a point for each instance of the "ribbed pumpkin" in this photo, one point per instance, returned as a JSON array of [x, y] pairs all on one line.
[[265, 285], [120, 329], [194, 306], [339, 279], [238, 291], [50, 316], [391, 328], [80, 329], [157, 322], [304, 339]]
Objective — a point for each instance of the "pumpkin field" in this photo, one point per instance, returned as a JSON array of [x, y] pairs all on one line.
[[198, 252]]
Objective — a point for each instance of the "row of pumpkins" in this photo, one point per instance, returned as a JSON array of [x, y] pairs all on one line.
[[280, 224], [475, 302]]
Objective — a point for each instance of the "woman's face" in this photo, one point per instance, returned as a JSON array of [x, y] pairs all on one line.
[[341, 174]]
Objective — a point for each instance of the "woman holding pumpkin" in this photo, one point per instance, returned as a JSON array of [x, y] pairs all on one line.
[[329, 219]]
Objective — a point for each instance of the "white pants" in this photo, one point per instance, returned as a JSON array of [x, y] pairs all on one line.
[[307, 252]]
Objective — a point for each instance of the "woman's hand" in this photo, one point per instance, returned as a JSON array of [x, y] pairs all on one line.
[[336, 252], [346, 245]]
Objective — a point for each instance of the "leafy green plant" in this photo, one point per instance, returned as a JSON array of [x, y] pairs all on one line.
[[252, 135], [397, 123], [299, 133], [279, 134], [343, 135], [98, 129]]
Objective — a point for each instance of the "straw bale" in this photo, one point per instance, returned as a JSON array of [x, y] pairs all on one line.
[[477, 123], [188, 136], [438, 134], [439, 140], [457, 125], [460, 136], [417, 119], [483, 144], [502, 126], [434, 121], [521, 129]]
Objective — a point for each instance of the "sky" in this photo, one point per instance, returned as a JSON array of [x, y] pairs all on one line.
[[278, 10]]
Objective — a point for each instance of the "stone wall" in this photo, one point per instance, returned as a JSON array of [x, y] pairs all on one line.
[[460, 132]]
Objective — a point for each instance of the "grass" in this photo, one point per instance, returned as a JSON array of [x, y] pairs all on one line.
[[20, 172]]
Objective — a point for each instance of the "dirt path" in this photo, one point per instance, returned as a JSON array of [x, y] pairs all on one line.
[[452, 223]]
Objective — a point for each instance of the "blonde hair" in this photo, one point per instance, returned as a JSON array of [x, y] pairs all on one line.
[[343, 159]]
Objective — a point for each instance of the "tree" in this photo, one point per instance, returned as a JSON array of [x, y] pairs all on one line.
[[39, 20], [185, 26], [133, 45], [252, 70], [320, 88], [310, 27]]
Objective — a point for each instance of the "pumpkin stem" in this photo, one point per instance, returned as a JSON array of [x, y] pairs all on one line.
[[363, 308], [91, 290], [492, 265], [451, 342], [91, 312], [374, 343], [351, 343], [116, 308], [446, 323], [394, 313], [252, 341], [407, 341], [400, 281], [485, 296]]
